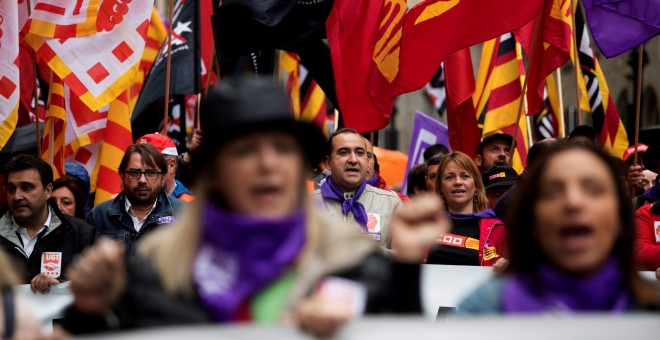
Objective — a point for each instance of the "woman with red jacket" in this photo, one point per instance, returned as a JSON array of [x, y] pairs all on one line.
[[477, 236]]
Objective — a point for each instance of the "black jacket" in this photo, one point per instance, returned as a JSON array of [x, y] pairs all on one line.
[[391, 288], [66, 234]]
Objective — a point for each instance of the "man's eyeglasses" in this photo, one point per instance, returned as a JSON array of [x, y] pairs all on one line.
[[136, 174]]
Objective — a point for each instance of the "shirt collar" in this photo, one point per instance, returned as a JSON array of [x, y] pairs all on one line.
[[15, 226], [129, 207]]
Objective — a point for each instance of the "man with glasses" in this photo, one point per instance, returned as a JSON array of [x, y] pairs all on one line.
[[143, 205]]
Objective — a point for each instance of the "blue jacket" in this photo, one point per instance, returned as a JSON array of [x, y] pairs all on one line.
[[110, 219]]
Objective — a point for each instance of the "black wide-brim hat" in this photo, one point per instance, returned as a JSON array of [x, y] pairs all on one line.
[[243, 105]]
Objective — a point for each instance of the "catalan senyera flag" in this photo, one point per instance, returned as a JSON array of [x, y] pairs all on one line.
[[596, 97], [9, 70], [547, 123], [364, 38], [155, 37], [552, 47], [100, 66], [462, 126], [117, 138], [54, 139], [499, 93], [307, 99], [434, 28]]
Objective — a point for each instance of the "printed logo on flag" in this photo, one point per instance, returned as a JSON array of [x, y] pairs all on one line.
[[51, 263], [656, 228]]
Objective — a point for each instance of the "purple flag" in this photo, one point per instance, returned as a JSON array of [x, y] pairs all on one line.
[[426, 132], [620, 25]]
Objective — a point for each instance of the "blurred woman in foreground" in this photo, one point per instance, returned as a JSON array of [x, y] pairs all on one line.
[[250, 247], [477, 236], [69, 197], [16, 319], [571, 242]]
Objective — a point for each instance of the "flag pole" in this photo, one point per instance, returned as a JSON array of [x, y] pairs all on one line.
[[560, 123], [168, 68], [638, 103], [36, 90], [524, 87], [576, 64]]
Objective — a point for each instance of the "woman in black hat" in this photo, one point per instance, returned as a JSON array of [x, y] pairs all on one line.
[[250, 247]]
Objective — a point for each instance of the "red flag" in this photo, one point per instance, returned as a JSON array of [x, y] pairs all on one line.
[[553, 48], [364, 39], [434, 28], [464, 133]]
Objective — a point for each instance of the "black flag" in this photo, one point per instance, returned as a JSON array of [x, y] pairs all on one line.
[[185, 70]]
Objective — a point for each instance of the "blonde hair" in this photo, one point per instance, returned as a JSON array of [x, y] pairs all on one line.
[[481, 202]]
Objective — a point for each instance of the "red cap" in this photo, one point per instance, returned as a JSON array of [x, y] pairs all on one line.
[[641, 148], [163, 143]]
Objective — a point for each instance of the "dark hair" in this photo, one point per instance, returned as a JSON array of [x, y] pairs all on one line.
[[25, 162], [435, 160], [149, 155], [73, 184], [328, 150], [434, 150], [538, 150], [376, 165], [416, 179], [525, 254]]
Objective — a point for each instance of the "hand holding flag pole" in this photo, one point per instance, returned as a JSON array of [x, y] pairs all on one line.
[[168, 68], [524, 87]]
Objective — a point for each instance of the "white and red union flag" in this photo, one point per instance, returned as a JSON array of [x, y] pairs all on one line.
[[102, 64], [9, 70]]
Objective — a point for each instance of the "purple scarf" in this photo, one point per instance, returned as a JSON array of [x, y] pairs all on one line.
[[330, 190], [239, 255], [486, 213], [652, 194], [556, 291], [373, 180]]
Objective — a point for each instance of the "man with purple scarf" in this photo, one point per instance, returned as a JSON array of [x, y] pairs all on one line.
[[346, 194]]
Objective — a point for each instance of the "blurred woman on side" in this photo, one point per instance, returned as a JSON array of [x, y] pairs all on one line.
[[477, 236], [571, 242], [16, 319]]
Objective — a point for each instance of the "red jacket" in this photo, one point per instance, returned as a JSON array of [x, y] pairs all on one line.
[[648, 238], [492, 240]]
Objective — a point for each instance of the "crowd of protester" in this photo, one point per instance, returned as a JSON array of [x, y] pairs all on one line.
[[238, 229]]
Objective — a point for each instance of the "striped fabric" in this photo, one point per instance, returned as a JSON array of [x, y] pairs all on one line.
[[596, 97], [546, 123], [9, 70], [499, 92], [117, 138], [67, 18], [155, 38], [53, 145], [111, 57]]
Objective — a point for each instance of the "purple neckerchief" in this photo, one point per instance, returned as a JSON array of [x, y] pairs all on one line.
[[486, 213], [330, 190], [240, 255], [652, 194], [555, 291]]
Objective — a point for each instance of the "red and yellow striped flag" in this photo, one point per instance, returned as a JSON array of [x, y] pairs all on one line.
[[596, 97], [307, 98], [117, 138], [499, 92], [54, 139], [9, 70], [155, 37]]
